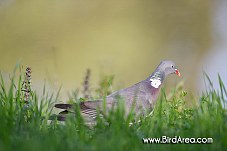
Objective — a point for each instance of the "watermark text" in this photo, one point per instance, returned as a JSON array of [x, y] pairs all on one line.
[[177, 140]]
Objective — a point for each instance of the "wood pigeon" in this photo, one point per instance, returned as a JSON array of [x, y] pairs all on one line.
[[140, 96]]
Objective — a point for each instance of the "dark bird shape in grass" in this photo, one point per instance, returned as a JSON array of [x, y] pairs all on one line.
[[140, 96]]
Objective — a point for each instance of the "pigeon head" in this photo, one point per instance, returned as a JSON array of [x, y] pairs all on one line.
[[165, 68], [168, 67]]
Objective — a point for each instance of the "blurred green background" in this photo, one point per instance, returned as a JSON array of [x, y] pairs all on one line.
[[59, 39]]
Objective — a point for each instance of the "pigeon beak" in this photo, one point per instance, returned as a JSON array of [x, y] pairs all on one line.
[[177, 72]]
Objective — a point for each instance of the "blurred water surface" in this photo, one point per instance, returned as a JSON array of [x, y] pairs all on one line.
[[214, 61], [61, 39]]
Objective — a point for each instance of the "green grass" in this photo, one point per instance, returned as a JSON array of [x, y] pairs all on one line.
[[24, 125]]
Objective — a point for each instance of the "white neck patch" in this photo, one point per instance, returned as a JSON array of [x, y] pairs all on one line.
[[155, 82]]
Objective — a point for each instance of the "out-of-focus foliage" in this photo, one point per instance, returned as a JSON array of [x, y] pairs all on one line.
[[60, 39]]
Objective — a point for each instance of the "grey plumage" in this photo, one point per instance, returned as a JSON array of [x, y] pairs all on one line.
[[142, 96]]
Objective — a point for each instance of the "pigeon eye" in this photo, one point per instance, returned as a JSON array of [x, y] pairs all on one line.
[[172, 66]]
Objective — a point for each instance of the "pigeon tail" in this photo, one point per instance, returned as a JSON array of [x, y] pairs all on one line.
[[87, 110], [63, 106]]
